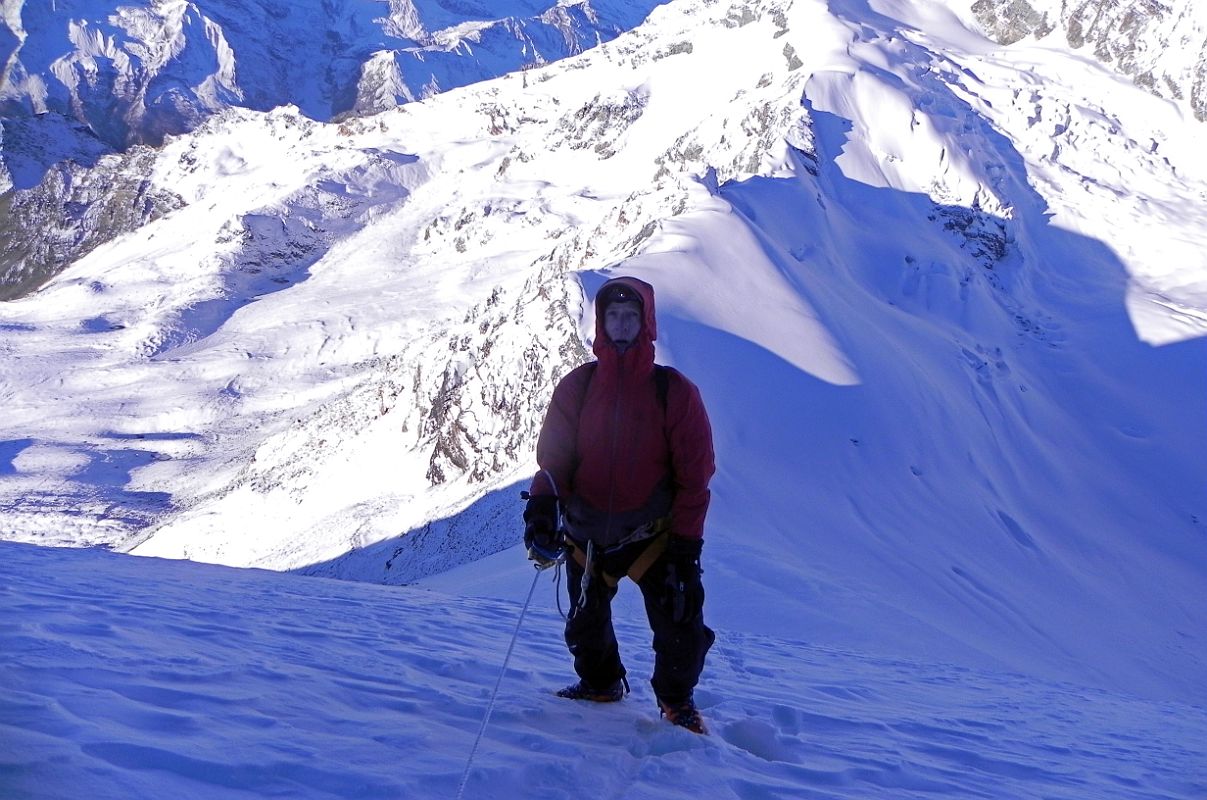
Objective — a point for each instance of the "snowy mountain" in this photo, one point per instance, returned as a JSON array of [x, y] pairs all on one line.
[[84, 80], [135, 73], [945, 300]]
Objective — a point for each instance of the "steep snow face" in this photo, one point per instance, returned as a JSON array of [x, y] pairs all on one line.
[[942, 298], [1162, 46]]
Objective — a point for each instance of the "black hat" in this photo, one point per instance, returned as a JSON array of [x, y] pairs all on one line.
[[619, 293]]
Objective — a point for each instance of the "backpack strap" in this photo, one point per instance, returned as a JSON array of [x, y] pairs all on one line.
[[662, 381]]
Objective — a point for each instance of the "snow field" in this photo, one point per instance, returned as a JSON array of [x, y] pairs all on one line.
[[131, 678]]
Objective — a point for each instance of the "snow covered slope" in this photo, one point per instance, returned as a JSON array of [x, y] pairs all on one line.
[[125, 679], [944, 299]]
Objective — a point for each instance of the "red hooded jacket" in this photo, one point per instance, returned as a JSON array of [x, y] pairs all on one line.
[[607, 442]]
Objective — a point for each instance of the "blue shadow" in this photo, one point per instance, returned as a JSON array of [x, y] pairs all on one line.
[[8, 453], [487, 526]]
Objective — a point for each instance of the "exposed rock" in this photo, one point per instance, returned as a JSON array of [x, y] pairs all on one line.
[[72, 211], [1162, 46]]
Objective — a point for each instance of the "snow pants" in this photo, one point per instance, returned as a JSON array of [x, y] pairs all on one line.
[[679, 647]]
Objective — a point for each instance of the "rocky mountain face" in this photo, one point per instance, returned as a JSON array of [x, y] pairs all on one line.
[[136, 73], [72, 210], [1162, 46]]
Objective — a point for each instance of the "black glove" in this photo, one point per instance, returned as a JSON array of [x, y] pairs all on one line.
[[683, 591], [540, 525]]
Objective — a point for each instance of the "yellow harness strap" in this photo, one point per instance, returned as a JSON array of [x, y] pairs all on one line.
[[649, 555]]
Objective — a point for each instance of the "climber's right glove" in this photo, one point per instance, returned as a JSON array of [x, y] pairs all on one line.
[[542, 538]]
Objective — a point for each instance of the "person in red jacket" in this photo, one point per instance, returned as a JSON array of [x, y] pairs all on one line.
[[625, 457]]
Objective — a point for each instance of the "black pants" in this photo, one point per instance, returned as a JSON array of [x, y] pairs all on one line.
[[679, 647]]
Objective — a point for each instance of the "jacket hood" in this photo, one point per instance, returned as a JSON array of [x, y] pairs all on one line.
[[642, 350]]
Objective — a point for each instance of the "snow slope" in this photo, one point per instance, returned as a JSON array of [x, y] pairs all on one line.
[[126, 678]]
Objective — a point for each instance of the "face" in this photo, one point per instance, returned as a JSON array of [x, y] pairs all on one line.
[[622, 323]]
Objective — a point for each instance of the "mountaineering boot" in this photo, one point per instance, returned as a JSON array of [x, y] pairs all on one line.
[[684, 714], [581, 691]]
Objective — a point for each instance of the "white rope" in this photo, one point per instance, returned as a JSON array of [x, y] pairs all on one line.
[[585, 583], [493, 695]]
